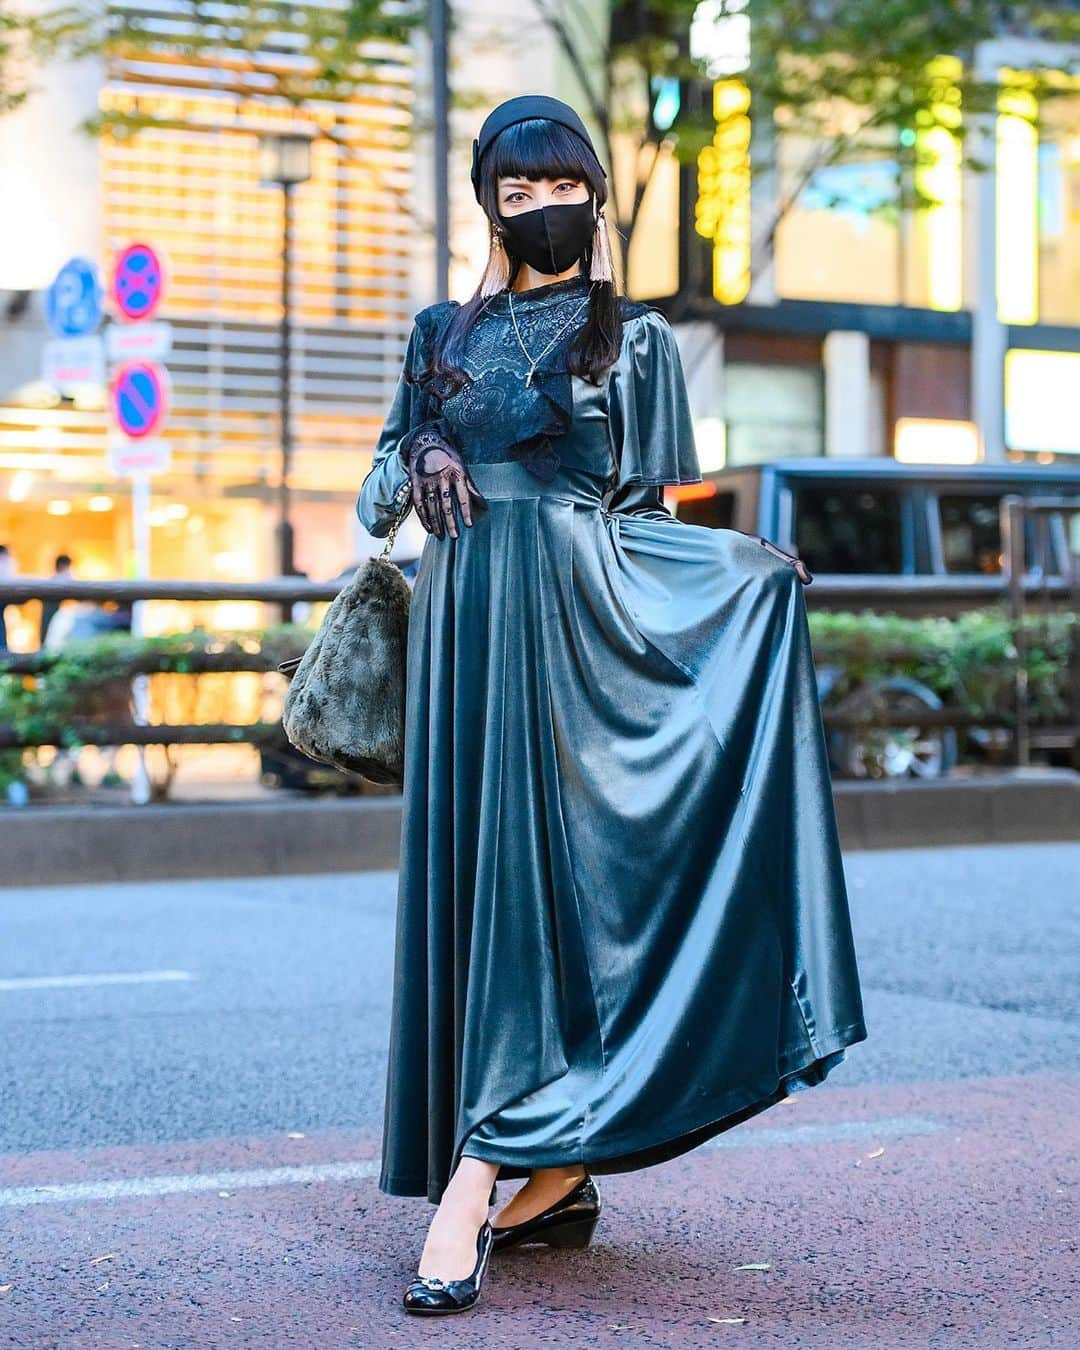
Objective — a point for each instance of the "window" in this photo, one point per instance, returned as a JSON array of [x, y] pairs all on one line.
[[849, 529], [839, 241], [851, 233], [971, 533], [772, 412], [971, 537], [716, 511]]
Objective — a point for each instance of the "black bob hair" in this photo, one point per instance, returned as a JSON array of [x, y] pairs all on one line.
[[534, 149]]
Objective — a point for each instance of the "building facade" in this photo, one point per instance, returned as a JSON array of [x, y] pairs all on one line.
[[944, 335], [826, 322], [190, 186]]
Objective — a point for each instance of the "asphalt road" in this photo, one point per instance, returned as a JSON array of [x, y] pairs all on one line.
[[191, 1082]]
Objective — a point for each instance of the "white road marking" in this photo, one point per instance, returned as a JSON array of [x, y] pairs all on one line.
[[80, 1192], [885, 1127], [87, 981], [128, 1188]]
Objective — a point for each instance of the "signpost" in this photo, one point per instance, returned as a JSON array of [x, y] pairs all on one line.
[[139, 403], [145, 341], [72, 363], [151, 455]]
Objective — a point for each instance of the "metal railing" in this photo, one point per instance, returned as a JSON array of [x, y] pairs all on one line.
[[827, 589], [1025, 593], [921, 594]]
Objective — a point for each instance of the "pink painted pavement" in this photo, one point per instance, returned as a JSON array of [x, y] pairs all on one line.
[[932, 1214]]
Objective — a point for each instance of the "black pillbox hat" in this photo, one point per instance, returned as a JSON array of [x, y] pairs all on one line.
[[520, 109]]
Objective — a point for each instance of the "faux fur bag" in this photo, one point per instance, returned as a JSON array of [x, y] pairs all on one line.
[[345, 704]]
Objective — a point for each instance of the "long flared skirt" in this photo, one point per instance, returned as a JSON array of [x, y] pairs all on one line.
[[622, 920]]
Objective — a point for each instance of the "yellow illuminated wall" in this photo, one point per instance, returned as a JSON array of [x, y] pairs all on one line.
[[193, 190], [1040, 405], [1017, 206], [925, 440], [723, 204], [653, 252], [938, 177]]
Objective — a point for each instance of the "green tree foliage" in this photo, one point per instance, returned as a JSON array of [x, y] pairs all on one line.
[[265, 50], [27, 40]]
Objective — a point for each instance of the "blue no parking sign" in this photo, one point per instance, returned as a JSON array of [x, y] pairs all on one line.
[[139, 393], [139, 386]]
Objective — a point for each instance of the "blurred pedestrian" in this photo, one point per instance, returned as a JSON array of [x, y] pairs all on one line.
[[622, 919], [75, 623], [300, 611], [61, 569]]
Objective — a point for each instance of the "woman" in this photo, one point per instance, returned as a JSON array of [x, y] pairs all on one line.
[[622, 923]]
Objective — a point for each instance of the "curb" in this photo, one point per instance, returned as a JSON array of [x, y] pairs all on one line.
[[1036, 805], [58, 845], [63, 845]]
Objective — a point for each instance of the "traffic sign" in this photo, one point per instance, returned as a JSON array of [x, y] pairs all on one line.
[[135, 341], [137, 457], [73, 301], [72, 363], [139, 398], [138, 281]]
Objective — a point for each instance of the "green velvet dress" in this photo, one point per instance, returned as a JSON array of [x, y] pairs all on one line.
[[622, 922]]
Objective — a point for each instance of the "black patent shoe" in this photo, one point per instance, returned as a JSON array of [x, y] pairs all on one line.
[[569, 1222], [429, 1294]]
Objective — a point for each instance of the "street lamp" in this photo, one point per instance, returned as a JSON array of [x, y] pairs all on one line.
[[284, 162]]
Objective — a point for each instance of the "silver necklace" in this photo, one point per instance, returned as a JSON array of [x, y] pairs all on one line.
[[534, 362]]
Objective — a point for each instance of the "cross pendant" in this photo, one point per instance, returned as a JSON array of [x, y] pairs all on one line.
[[528, 379]]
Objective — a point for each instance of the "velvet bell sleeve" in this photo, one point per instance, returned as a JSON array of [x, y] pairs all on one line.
[[652, 429], [384, 489]]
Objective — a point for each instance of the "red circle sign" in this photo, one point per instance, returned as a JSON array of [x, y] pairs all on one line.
[[138, 281]]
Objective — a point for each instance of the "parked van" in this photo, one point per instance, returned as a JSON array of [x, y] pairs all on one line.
[[913, 539], [875, 517]]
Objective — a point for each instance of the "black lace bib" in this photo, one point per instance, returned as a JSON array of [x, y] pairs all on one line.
[[498, 416]]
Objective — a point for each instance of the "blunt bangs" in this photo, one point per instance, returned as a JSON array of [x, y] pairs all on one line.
[[540, 149]]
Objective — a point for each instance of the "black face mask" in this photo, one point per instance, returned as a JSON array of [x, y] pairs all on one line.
[[550, 238]]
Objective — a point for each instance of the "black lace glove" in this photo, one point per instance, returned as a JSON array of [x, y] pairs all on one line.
[[803, 572], [439, 478]]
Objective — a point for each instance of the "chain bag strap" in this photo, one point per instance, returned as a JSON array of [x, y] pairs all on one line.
[[404, 500]]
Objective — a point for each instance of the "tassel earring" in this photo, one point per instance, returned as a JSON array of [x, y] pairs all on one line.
[[496, 276], [601, 267]]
